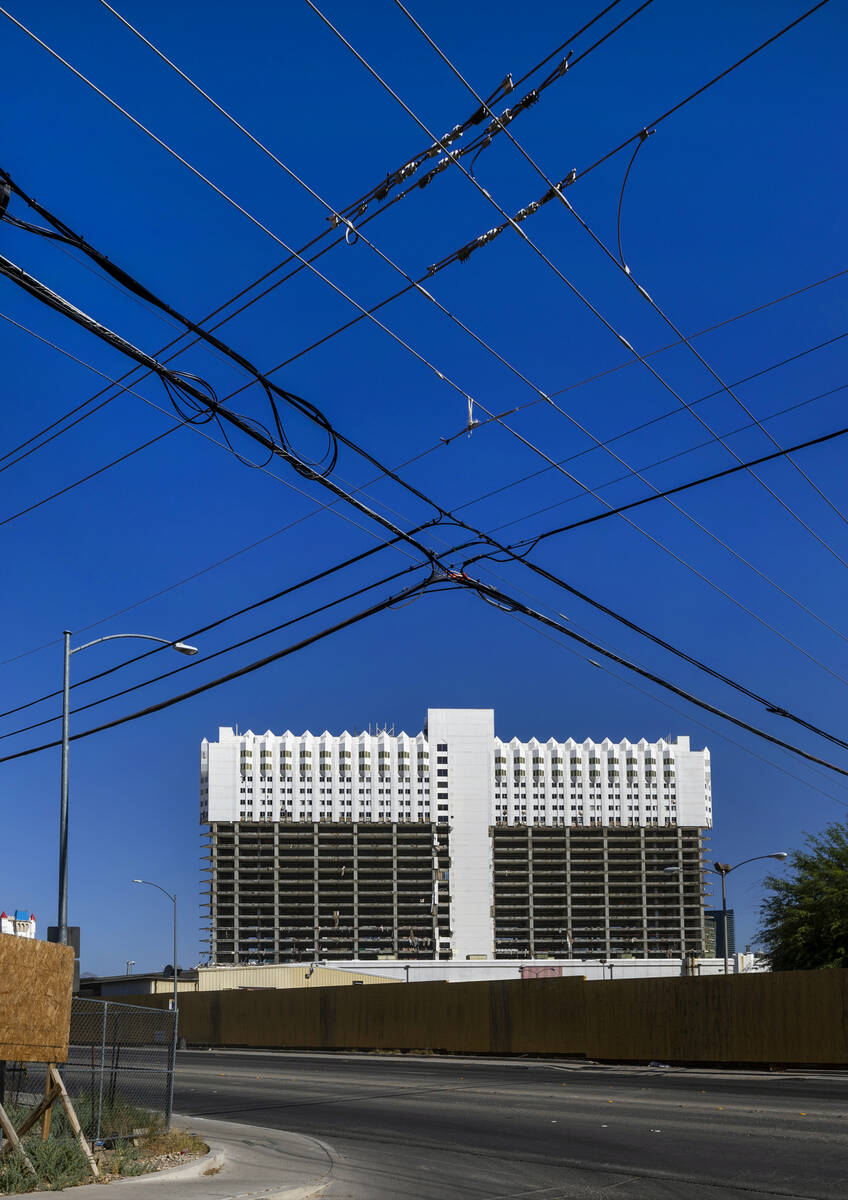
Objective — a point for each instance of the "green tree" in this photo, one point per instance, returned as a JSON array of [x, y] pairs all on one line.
[[804, 921]]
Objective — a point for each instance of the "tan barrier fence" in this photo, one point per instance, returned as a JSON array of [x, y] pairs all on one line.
[[791, 1017]]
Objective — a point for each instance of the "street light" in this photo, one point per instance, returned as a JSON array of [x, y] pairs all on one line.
[[172, 896], [724, 870], [181, 648]]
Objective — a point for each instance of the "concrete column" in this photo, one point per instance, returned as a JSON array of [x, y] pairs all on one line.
[[644, 892], [356, 890], [607, 939]]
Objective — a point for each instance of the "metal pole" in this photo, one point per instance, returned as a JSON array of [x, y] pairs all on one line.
[[173, 1069], [175, 951], [724, 915], [62, 920], [102, 1070]]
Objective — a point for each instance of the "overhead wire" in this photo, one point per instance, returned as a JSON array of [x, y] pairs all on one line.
[[668, 413], [40, 291], [483, 590], [196, 662], [677, 454], [160, 706], [476, 337], [558, 192], [202, 399], [445, 440], [191, 634], [674, 708], [691, 483], [429, 556]]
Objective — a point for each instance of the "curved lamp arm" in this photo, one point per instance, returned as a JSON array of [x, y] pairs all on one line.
[[171, 897], [780, 855], [181, 647]]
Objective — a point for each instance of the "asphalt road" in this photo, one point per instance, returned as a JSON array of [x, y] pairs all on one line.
[[439, 1128]]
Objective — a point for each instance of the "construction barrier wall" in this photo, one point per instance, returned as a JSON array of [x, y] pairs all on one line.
[[796, 1017]]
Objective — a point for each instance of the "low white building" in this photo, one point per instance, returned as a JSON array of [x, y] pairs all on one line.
[[20, 924], [452, 844]]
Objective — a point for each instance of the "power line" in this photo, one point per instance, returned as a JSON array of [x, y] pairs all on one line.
[[482, 342], [704, 87], [289, 590], [674, 708], [442, 441], [556, 190], [445, 311], [204, 401], [621, 266], [380, 606], [321, 608], [485, 591], [692, 483], [664, 416]]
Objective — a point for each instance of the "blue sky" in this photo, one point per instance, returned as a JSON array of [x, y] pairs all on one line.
[[736, 200]]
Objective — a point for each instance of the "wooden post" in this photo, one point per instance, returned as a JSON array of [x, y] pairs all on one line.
[[48, 1110], [44, 1106], [72, 1119], [14, 1141]]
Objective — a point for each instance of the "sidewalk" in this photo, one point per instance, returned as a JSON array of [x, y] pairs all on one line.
[[246, 1161]]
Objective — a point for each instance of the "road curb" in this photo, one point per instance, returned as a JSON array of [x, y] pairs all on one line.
[[242, 1161]]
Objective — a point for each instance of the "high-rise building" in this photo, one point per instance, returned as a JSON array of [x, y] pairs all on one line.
[[714, 931], [452, 844]]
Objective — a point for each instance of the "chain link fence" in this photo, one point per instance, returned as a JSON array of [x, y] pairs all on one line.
[[119, 1074]]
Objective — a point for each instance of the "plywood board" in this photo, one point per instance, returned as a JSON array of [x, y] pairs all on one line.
[[36, 980]]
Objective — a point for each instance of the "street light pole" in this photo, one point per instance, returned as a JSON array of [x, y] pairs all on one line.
[[181, 648], [724, 870], [62, 918], [172, 896]]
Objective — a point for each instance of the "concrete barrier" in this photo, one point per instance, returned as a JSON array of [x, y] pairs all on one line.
[[796, 1017]]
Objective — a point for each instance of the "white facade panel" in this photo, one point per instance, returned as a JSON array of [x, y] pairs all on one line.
[[461, 739]]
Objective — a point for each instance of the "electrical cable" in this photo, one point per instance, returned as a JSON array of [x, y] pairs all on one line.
[[424, 292], [673, 708], [484, 591], [378, 607], [203, 400], [466, 329], [188, 386], [660, 462], [704, 87], [22, 512], [41, 292], [65, 234], [224, 650], [212, 185], [446, 441], [516, 605], [692, 483], [663, 416], [585, 171], [557, 191], [190, 634]]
